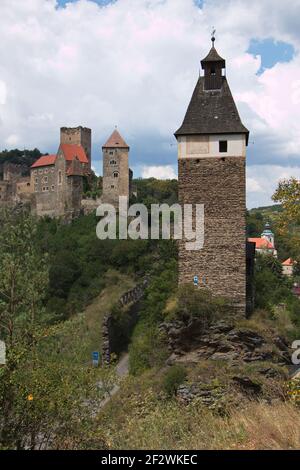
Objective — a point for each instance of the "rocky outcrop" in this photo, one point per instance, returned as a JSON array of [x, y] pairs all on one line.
[[234, 363], [222, 341]]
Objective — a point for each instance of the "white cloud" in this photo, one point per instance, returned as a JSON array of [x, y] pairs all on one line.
[[253, 185], [3, 92], [135, 63], [262, 180], [163, 172], [12, 140]]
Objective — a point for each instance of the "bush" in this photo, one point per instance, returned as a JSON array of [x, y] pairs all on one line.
[[192, 303], [148, 349], [175, 376]]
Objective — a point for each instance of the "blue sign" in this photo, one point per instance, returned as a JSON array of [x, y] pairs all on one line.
[[196, 280], [95, 356]]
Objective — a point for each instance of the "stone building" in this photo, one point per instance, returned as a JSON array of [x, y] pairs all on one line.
[[57, 180], [117, 175], [14, 187], [211, 171], [78, 136]]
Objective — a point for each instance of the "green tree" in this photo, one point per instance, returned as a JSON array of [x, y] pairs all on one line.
[[23, 277], [288, 194]]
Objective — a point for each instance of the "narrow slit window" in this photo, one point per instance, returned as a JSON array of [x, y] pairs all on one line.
[[223, 146]]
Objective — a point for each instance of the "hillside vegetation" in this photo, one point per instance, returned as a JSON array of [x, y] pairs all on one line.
[[198, 377]]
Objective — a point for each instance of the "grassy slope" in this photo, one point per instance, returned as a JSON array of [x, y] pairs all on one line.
[[141, 418], [78, 337]]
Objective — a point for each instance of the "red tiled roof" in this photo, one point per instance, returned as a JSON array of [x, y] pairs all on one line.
[[115, 140], [288, 262], [261, 243], [44, 161], [71, 151]]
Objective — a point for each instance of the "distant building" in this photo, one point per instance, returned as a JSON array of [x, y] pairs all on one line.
[[266, 243], [14, 187], [288, 267], [117, 175], [57, 180]]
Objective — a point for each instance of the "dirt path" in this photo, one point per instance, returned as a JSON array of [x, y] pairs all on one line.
[[122, 369]]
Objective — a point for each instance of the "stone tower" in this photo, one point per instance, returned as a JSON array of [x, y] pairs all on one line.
[[211, 171], [78, 136], [115, 169]]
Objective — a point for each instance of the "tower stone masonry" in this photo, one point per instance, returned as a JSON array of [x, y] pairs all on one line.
[[116, 172], [211, 171], [78, 136]]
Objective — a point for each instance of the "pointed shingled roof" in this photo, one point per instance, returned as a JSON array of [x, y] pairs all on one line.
[[212, 112], [115, 141], [213, 56]]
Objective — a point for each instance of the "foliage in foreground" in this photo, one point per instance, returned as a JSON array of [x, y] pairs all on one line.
[[140, 418], [41, 395]]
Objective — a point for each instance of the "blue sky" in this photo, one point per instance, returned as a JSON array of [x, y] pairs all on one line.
[[271, 52], [135, 63]]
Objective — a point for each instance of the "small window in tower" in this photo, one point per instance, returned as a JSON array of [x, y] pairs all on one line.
[[213, 71], [112, 186], [116, 174], [223, 146], [113, 162], [59, 177], [111, 152]]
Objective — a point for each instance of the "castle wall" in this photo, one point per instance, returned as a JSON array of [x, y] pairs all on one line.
[[74, 195], [43, 181], [61, 185], [5, 193], [219, 184], [56, 194], [11, 171]]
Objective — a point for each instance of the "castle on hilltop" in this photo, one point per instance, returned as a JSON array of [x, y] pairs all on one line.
[[55, 185]]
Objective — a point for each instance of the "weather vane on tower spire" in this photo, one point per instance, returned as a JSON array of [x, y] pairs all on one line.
[[213, 36]]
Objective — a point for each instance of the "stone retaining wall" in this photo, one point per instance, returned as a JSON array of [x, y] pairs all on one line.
[[131, 297]]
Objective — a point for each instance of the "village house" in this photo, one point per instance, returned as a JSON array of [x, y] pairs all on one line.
[[288, 267], [265, 244]]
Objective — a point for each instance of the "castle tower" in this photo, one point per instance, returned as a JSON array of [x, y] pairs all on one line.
[[211, 171], [78, 136], [115, 169]]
